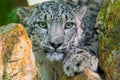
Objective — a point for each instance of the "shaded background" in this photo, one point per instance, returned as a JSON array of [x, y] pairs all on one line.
[[8, 9]]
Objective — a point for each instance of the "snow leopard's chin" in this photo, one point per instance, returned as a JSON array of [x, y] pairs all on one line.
[[54, 56]]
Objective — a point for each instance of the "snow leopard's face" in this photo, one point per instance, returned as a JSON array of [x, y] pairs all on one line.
[[57, 28]]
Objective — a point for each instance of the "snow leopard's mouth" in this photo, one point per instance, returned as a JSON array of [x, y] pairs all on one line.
[[54, 56]]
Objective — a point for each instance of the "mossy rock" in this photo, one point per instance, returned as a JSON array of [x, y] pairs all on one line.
[[109, 39]]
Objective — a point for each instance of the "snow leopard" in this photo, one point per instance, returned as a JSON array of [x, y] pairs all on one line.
[[59, 30]]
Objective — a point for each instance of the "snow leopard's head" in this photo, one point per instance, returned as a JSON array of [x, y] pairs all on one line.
[[56, 27]]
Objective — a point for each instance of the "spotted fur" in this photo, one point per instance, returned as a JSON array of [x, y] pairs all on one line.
[[76, 63], [58, 30]]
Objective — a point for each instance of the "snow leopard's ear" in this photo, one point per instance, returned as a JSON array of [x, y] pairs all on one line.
[[22, 12], [80, 11]]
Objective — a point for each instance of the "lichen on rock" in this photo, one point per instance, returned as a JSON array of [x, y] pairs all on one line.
[[17, 61], [109, 39]]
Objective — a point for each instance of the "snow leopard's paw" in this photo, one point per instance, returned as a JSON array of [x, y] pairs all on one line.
[[76, 63]]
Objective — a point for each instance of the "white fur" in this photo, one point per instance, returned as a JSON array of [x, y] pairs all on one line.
[[55, 56]]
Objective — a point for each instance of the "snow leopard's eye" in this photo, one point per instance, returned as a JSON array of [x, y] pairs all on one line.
[[42, 24], [69, 25]]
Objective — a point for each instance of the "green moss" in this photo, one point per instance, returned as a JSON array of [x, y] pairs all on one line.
[[11, 17], [6, 76], [110, 17], [109, 39]]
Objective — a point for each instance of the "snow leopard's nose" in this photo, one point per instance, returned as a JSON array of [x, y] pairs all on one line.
[[55, 45]]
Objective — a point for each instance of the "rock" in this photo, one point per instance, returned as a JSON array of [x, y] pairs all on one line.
[[17, 61], [86, 75], [109, 39], [91, 75]]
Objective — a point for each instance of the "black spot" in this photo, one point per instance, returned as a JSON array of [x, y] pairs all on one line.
[[83, 58], [45, 51], [76, 73], [78, 64], [91, 64], [45, 17], [77, 56], [68, 68], [80, 52]]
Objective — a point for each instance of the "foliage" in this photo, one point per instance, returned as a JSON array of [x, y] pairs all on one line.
[[11, 17]]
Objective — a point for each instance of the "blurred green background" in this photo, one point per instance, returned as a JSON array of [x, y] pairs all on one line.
[[8, 10]]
